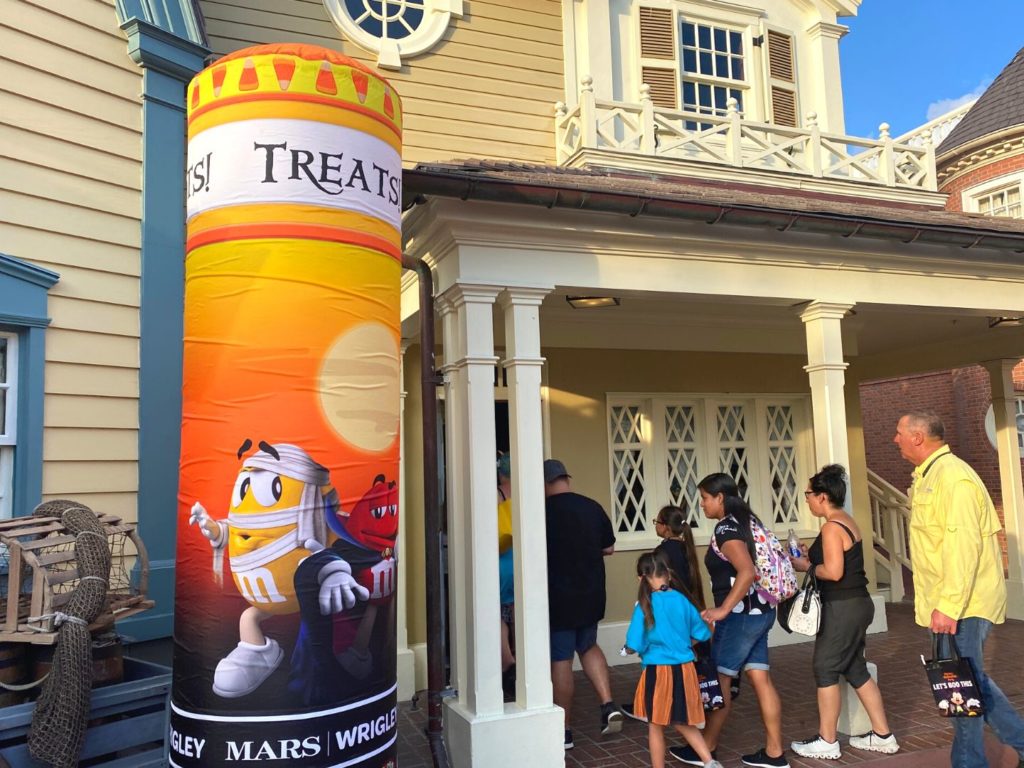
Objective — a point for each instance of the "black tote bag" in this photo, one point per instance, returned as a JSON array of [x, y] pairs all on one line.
[[707, 677], [953, 683]]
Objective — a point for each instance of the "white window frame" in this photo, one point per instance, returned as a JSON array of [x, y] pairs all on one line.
[[745, 85], [970, 199], [9, 437], [655, 453]]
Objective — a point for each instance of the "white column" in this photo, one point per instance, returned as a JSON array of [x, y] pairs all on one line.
[[480, 729], [406, 662], [452, 494], [526, 435], [474, 498], [1004, 408], [827, 373]]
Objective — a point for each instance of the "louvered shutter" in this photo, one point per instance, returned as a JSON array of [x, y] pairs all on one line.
[[782, 78], [658, 42]]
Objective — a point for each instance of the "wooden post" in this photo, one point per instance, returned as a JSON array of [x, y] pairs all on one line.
[[734, 136], [814, 145], [648, 131], [887, 160], [588, 113]]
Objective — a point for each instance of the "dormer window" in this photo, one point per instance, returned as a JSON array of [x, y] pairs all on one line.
[[697, 65]]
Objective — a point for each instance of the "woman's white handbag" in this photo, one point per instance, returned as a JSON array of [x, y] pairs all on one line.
[[805, 613]]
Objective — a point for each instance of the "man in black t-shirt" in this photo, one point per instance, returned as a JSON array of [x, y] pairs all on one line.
[[579, 537]]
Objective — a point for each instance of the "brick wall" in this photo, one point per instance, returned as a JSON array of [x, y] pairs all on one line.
[[976, 176], [961, 396]]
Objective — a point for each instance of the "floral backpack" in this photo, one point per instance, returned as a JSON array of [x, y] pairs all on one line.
[[776, 579]]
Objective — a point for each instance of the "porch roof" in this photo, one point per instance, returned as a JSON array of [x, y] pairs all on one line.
[[713, 201]]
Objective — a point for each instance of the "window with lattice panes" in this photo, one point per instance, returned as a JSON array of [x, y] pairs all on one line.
[[8, 419], [1002, 202], [628, 461], [662, 445], [712, 67]]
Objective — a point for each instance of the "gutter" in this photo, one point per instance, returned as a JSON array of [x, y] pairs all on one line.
[[419, 184]]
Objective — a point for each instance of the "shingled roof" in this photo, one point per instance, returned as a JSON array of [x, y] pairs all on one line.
[[713, 201], [1000, 106]]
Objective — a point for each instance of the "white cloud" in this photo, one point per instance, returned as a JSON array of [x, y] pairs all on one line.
[[942, 106]]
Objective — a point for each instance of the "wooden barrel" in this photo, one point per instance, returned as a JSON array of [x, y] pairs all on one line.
[[107, 661], [12, 672]]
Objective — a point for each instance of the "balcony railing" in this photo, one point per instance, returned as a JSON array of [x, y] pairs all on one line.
[[890, 528], [644, 129]]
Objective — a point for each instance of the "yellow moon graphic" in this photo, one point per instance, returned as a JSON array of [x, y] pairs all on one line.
[[359, 387]]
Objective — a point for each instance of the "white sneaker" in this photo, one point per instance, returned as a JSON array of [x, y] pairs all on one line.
[[872, 742], [246, 668], [817, 747], [713, 764]]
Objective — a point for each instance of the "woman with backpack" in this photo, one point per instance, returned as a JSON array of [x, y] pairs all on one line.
[[742, 616], [837, 559]]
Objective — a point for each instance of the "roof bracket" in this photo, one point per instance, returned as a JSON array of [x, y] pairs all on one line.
[[977, 240], [721, 215], [855, 230], [554, 200], [790, 223], [470, 188], [641, 209], [917, 234], [584, 198]]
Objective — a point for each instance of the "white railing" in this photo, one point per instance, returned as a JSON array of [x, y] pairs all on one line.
[[936, 130], [890, 527], [645, 129]]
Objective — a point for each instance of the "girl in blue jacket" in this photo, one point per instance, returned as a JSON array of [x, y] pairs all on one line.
[[664, 626]]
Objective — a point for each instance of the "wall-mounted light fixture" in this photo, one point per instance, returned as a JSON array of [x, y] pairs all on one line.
[[591, 302], [1010, 321]]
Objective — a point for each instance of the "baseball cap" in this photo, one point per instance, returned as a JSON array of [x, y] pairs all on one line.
[[554, 469]]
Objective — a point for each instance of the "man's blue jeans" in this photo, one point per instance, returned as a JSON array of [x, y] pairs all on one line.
[[968, 732]]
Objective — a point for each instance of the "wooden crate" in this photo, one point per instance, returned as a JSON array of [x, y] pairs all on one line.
[[38, 572], [127, 723]]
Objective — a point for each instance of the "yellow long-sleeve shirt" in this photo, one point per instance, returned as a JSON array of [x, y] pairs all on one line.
[[954, 549]]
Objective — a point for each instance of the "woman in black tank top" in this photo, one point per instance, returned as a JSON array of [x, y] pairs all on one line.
[[837, 560]]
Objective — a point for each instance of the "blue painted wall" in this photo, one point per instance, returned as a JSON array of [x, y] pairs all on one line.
[[166, 48]]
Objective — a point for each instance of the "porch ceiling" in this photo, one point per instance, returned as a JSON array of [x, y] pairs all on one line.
[[880, 339]]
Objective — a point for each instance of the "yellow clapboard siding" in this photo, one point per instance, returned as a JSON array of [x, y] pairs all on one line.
[[72, 64], [63, 187], [484, 116], [123, 505], [24, 80], [106, 44], [47, 120], [73, 479], [457, 58], [67, 346], [94, 14], [480, 33], [440, 147], [93, 317], [33, 212], [91, 285], [57, 251], [77, 444], [96, 380], [37, 149], [422, 124], [90, 411], [431, 95]]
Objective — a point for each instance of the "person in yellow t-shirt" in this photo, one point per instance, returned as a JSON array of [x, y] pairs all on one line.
[[959, 586], [506, 574]]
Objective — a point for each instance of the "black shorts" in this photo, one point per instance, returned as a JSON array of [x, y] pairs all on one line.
[[839, 648]]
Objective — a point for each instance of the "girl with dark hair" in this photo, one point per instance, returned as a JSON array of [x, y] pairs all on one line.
[[680, 553], [679, 550], [663, 629], [742, 620], [837, 560]]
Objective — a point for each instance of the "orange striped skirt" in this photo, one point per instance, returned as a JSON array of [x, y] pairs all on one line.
[[669, 694]]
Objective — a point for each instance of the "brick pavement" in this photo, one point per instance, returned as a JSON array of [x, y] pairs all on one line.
[[923, 735]]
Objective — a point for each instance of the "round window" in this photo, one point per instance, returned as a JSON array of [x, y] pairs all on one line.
[[393, 28]]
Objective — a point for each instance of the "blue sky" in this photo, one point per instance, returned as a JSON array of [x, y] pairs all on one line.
[[904, 60]]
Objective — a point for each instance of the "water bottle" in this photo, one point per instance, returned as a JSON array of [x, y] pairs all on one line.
[[793, 542]]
